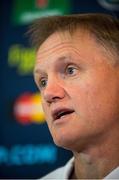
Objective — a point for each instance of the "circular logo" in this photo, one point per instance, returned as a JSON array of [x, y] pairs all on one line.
[[28, 109], [112, 5]]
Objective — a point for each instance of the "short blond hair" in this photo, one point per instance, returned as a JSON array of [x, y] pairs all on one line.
[[104, 27]]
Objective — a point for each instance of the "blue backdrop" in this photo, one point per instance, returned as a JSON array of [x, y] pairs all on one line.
[[26, 147]]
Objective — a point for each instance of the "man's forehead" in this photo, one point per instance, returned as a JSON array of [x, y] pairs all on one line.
[[60, 36], [63, 48], [55, 39], [60, 40]]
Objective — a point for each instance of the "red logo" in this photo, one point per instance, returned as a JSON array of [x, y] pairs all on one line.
[[41, 3], [28, 109]]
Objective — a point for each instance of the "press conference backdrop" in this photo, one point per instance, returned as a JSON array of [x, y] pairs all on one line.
[[26, 147]]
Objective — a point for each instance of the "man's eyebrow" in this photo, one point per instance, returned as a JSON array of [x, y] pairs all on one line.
[[38, 71], [62, 59]]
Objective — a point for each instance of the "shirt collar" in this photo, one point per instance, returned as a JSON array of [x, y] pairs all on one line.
[[113, 175], [68, 168]]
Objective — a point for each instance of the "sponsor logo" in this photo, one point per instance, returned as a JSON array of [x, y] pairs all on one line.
[[28, 154], [28, 109], [24, 13], [41, 3], [109, 4], [22, 58]]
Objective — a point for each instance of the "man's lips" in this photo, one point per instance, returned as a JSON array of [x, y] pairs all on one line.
[[58, 113]]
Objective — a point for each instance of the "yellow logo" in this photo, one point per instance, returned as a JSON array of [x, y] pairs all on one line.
[[28, 109]]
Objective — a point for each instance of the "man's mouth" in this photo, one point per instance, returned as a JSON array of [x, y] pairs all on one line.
[[57, 114]]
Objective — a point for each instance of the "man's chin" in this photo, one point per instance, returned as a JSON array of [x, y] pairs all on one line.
[[67, 144], [74, 145]]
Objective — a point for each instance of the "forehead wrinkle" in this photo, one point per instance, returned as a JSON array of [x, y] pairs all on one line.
[[55, 47], [59, 47], [61, 39]]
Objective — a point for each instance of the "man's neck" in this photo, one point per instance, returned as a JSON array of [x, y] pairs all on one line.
[[85, 168], [96, 161]]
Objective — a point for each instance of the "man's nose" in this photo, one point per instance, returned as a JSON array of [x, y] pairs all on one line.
[[53, 92]]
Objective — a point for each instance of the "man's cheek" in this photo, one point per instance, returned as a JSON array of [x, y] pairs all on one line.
[[45, 110]]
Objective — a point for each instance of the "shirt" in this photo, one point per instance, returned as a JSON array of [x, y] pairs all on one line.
[[65, 171]]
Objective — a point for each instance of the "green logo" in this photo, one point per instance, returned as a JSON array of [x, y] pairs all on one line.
[[22, 58], [24, 12]]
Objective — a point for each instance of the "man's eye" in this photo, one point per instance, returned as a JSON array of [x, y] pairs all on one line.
[[42, 83], [71, 70]]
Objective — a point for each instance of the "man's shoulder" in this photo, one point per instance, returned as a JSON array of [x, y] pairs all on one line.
[[62, 172]]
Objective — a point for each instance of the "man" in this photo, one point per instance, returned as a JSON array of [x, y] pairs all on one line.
[[77, 73]]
